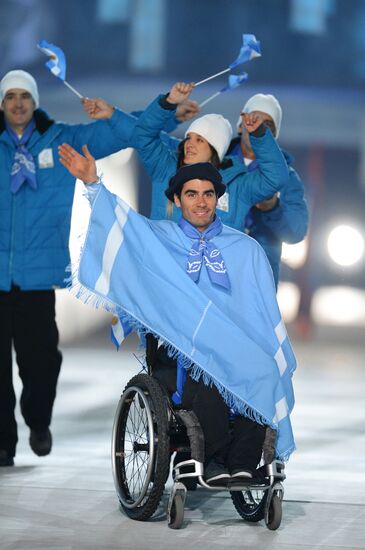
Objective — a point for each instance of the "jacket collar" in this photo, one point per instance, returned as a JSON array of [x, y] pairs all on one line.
[[42, 121], [288, 157]]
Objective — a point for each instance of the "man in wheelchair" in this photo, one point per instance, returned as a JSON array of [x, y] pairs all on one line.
[[207, 293], [232, 444]]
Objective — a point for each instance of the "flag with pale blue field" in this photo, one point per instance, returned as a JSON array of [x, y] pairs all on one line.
[[234, 80], [250, 49], [120, 329], [57, 60], [57, 63], [232, 338]]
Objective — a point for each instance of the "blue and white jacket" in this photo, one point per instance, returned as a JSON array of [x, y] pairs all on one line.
[[244, 188], [35, 224], [287, 222]]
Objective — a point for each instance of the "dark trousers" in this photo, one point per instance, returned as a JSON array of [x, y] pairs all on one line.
[[27, 322], [237, 443]]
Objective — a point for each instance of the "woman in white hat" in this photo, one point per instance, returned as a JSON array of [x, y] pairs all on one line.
[[207, 140]]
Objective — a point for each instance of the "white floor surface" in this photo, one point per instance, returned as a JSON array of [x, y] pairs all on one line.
[[67, 500]]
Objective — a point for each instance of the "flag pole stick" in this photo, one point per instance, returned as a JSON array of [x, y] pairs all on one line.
[[210, 77], [73, 89], [209, 99]]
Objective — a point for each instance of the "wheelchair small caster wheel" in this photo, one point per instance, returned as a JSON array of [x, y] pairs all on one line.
[[274, 513], [176, 513], [175, 510]]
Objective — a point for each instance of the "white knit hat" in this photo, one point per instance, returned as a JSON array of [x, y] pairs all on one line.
[[266, 103], [22, 80], [216, 129]]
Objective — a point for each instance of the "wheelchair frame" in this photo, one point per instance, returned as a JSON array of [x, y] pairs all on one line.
[[146, 431]]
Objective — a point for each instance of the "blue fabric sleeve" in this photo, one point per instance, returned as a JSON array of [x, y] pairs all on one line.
[[170, 126], [104, 137], [271, 174], [155, 153], [90, 191], [289, 221]]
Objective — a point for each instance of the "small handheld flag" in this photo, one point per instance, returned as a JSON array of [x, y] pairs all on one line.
[[56, 63], [233, 82], [120, 329], [250, 49]]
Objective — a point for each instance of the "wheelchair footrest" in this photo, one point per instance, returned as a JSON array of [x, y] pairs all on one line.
[[187, 468]]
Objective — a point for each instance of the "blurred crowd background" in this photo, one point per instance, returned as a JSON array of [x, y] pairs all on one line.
[[313, 60]]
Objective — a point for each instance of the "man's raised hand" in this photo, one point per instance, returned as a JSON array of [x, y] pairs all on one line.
[[187, 110], [82, 167], [251, 121], [179, 92], [97, 108]]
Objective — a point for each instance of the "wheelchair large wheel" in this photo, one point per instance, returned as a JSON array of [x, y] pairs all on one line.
[[140, 447], [250, 504]]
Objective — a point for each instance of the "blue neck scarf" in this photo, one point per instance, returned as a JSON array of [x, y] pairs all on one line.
[[23, 168], [203, 248]]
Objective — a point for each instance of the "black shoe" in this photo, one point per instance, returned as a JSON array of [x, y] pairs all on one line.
[[40, 442], [260, 476], [5, 458], [216, 473], [241, 474]]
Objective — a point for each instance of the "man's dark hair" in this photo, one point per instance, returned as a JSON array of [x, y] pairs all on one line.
[[197, 170]]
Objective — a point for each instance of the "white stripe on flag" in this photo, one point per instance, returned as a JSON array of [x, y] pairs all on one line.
[[113, 243], [199, 325], [280, 331], [281, 361], [281, 410], [118, 332]]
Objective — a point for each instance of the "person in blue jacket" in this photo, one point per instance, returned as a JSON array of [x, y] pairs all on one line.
[[36, 194], [207, 139], [99, 109], [218, 273], [270, 221], [282, 217]]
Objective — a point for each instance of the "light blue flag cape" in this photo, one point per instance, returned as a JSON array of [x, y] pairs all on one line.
[[57, 60], [234, 339]]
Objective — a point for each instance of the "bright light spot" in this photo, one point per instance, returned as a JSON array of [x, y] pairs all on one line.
[[294, 255], [288, 299], [345, 245], [338, 306]]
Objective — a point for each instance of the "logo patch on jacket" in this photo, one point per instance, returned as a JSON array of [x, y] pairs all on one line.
[[223, 202], [45, 159]]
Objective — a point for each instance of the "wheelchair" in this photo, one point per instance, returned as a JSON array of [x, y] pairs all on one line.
[[148, 429]]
